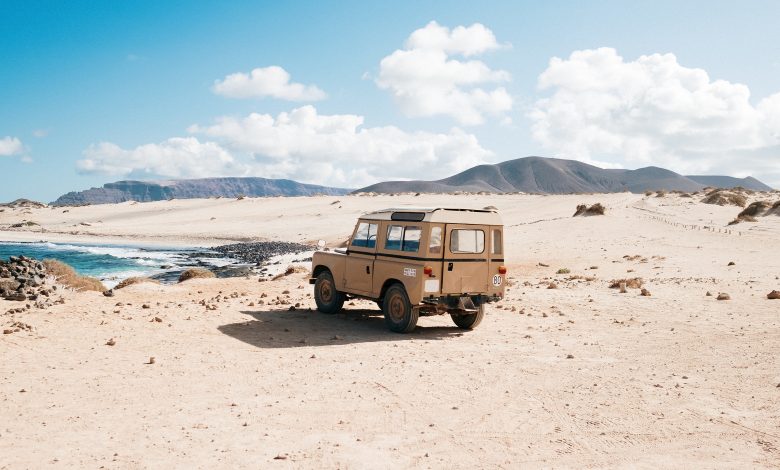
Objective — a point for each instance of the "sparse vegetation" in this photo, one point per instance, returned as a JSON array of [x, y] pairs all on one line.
[[563, 271], [67, 276], [723, 197], [661, 193], [135, 280], [193, 273], [632, 283], [291, 270], [584, 210]]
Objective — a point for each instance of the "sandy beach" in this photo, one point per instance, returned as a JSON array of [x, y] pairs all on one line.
[[247, 374]]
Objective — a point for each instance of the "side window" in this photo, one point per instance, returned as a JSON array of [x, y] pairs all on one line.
[[435, 245], [467, 241], [365, 235], [394, 235], [412, 239], [403, 238], [497, 246]]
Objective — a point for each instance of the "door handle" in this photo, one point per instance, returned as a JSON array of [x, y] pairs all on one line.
[[368, 270], [449, 267]]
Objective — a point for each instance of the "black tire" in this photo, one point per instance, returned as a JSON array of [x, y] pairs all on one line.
[[399, 314], [327, 297], [471, 320]]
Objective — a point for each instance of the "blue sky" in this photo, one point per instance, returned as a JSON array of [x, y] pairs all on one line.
[[92, 92]]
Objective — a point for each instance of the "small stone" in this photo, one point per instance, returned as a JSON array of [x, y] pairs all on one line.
[[109, 293], [110, 342], [157, 319], [723, 296], [151, 360], [570, 356], [774, 295], [645, 293], [708, 294], [731, 263], [146, 306]]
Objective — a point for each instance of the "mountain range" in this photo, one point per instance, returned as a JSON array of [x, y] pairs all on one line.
[[529, 175], [145, 191], [558, 176]]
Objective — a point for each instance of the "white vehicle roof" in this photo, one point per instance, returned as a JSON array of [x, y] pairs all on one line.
[[487, 216]]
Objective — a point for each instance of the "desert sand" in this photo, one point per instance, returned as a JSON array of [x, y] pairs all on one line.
[[577, 376]]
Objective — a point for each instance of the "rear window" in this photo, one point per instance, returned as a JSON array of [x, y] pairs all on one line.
[[467, 241], [497, 248], [365, 235], [403, 238]]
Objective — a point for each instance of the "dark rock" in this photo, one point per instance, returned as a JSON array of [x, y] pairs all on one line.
[[109, 293], [16, 297]]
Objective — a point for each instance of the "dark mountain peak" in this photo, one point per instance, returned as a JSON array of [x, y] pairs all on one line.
[[146, 191]]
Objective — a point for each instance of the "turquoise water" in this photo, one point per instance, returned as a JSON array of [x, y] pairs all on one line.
[[112, 263]]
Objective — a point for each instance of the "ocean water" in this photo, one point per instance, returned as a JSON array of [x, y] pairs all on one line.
[[112, 263]]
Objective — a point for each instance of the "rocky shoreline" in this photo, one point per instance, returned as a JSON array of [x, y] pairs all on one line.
[[23, 279], [258, 253]]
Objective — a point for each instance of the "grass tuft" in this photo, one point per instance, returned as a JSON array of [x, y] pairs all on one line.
[[67, 276]]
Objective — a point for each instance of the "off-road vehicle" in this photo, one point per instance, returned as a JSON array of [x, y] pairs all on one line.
[[416, 262]]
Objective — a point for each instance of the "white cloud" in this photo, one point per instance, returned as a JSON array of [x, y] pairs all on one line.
[[10, 146], [178, 157], [654, 111], [337, 150], [332, 150], [426, 81], [40, 133], [271, 81]]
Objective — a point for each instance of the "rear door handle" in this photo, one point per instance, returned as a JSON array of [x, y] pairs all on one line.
[[368, 270], [449, 267]]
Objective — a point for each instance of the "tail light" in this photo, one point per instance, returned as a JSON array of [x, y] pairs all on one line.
[[502, 270], [428, 271]]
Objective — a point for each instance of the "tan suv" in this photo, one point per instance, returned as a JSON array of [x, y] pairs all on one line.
[[416, 262]]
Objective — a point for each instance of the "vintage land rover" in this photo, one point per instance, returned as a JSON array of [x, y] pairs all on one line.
[[416, 262]]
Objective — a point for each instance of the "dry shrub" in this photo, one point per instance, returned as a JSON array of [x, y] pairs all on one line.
[[135, 280], [584, 210], [661, 193], [723, 197], [563, 271], [193, 273], [290, 270], [648, 193], [755, 209], [686, 195], [67, 276], [633, 283]]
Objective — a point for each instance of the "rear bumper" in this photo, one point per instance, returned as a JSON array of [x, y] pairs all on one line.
[[454, 300]]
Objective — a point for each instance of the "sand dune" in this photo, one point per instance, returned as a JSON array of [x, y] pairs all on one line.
[[578, 376]]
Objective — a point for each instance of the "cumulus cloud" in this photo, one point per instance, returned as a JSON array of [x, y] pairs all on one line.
[[655, 111], [426, 81], [332, 150], [271, 81], [10, 146], [339, 150], [178, 157]]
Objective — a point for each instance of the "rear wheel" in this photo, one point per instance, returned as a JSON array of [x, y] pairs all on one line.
[[469, 321], [327, 297], [400, 316]]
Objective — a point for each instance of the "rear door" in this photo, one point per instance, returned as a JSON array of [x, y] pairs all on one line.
[[359, 272], [466, 262], [497, 280]]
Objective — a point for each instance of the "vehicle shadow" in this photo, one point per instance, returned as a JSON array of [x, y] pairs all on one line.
[[301, 328]]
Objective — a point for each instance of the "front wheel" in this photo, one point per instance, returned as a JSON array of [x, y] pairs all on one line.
[[469, 321], [327, 297], [400, 316]]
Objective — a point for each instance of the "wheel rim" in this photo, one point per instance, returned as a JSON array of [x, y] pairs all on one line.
[[326, 291], [397, 308]]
